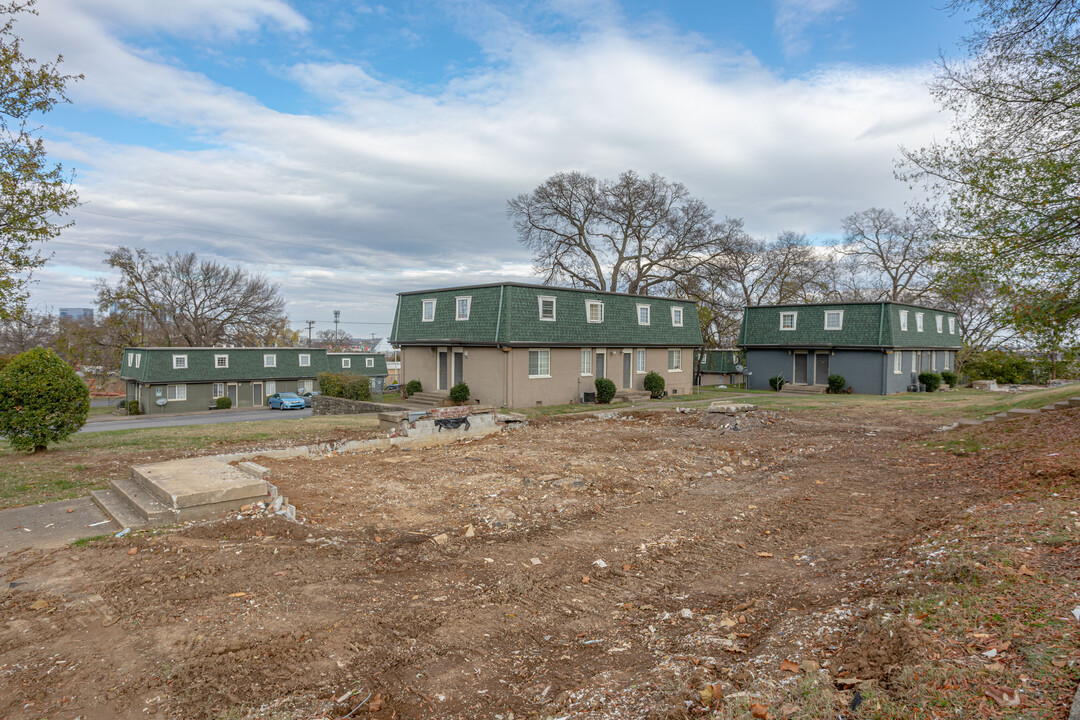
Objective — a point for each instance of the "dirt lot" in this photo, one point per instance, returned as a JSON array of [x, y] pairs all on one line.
[[645, 566]]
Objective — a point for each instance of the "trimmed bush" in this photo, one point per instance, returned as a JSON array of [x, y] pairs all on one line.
[[777, 382], [459, 394], [605, 390], [949, 377], [654, 383], [42, 400], [931, 380], [413, 386], [345, 385], [224, 403], [836, 384], [134, 408]]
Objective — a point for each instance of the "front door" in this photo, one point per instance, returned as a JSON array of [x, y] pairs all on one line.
[[821, 369], [230, 390], [256, 394], [459, 367], [627, 361], [800, 369], [442, 370], [600, 364]]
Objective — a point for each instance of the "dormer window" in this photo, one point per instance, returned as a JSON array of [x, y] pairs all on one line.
[[903, 320], [834, 319], [464, 304], [952, 326], [369, 362], [940, 322], [179, 362], [221, 361], [269, 361], [642, 314], [594, 311], [346, 363], [918, 322], [547, 308], [429, 311], [788, 320], [676, 317]]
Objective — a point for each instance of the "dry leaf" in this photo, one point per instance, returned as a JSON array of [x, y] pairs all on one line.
[[1024, 570], [241, 594], [764, 554], [281, 573], [788, 666], [1058, 663], [586, 579], [1005, 697], [39, 605], [132, 551], [760, 711]]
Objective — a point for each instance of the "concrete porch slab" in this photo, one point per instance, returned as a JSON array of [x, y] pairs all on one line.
[[186, 483]]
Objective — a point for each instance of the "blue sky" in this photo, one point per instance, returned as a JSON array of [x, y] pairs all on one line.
[[351, 150]]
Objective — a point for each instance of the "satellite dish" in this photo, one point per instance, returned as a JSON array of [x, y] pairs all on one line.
[[161, 402], [738, 367]]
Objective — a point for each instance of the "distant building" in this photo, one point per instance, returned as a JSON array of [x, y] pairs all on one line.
[[77, 314], [721, 367], [373, 345]]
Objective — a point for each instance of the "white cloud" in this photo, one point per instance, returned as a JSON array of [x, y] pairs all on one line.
[[394, 189], [793, 17]]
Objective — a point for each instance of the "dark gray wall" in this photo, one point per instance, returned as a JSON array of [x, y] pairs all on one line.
[[862, 369]]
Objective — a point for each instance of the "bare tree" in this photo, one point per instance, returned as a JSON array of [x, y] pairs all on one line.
[[333, 340], [181, 300], [632, 234], [25, 331], [895, 252]]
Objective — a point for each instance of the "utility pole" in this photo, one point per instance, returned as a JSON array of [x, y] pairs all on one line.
[[337, 319], [310, 324]]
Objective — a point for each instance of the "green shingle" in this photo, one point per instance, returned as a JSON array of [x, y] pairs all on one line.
[[519, 321], [719, 361], [864, 325], [156, 364]]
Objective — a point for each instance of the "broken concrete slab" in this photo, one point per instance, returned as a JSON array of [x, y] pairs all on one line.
[[730, 408], [1019, 412], [194, 482]]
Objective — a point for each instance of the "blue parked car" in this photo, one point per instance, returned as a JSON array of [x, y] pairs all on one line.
[[286, 401], [307, 397]]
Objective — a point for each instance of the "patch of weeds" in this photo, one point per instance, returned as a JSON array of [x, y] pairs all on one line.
[[82, 542]]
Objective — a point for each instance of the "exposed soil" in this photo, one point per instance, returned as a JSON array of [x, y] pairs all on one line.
[[594, 567]]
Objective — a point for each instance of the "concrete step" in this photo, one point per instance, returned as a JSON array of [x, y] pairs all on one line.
[[625, 395], [1074, 401], [1019, 412], [428, 399], [118, 509], [1060, 405], [145, 504], [804, 389]]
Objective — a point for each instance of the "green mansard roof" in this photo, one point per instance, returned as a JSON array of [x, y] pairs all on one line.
[[719, 361], [155, 365], [863, 325], [509, 314]]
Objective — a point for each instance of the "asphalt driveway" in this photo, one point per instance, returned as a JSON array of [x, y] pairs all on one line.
[[204, 418]]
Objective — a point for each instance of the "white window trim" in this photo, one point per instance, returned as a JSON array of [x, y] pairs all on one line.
[[588, 305], [903, 321], [640, 368], [539, 350], [933, 361], [423, 310], [939, 321], [346, 363], [214, 391], [178, 390], [457, 306], [303, 386], [270, 387], [952, 326], [898, 362], [369, 362], [138, 360], [217, 362], [676, 311], [675, 369], [540, 307], [179, 358], [919, 322], [830, 312], [794, 321], [304, 360], [131, 359], [587, 360], [269, 361], [648, 313]]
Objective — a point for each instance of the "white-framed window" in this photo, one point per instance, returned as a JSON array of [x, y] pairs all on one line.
[[369, 362], [131, 359], [834, 319], [933, 361], [945, 360], [269, 360], [176, 393], [303, 386], [138, 360], [346, 362], [639, 363], [676, 317], [788, 320], [547, 307], [271, 387], [674, 360], [179, 362], [539, 363], [918, 322], [594, 311], [429, 311], [940, 322], [643, 315], [897, 362], [903, 320], [221, 361], [305, 359], [219, 390], [952, 326], [464, 304], [586, 362]]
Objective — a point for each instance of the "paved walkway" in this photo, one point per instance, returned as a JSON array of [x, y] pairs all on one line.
[[52, 524]]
